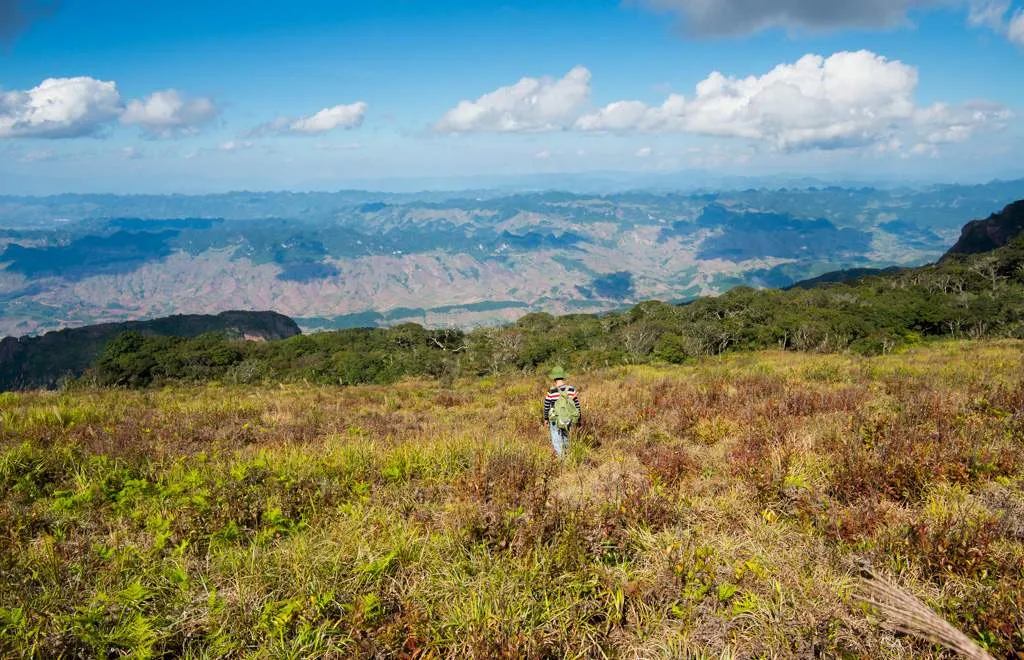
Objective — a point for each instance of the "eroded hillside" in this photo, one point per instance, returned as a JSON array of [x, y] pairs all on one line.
[[338, 260]]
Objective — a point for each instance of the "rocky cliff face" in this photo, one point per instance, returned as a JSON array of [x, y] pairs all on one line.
[[993, 232]]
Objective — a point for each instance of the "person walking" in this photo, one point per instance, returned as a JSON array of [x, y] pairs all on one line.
[[562, 410]]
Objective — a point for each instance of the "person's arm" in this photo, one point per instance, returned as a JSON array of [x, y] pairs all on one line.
[[548, 403]]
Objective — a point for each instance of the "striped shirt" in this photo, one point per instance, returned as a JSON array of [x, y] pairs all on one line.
[[552, 396]]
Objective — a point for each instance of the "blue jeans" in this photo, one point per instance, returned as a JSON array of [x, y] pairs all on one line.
[[560, 439]]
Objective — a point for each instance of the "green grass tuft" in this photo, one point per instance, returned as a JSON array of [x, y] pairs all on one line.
[[717, 509]]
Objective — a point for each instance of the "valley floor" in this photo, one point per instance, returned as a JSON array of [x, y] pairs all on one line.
[[715, 509]]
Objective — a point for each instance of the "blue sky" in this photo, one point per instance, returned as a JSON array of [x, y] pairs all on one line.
[[98, 95]]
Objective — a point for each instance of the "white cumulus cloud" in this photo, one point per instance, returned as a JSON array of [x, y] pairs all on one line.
[[347, 116], [328, 119], [848, 98], [845, 100], [83, 106], [532, 104], [59, 108], [168, 113]]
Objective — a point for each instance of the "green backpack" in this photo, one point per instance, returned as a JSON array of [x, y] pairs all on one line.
[[565, 413]]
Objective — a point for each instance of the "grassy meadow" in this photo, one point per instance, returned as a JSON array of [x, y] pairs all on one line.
[[716, 509]]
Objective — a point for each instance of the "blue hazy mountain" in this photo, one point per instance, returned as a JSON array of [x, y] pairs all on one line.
[[442, 258]]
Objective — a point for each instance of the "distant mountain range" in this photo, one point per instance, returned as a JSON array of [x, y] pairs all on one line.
[[858, 309], [335, 260], [43, 361]]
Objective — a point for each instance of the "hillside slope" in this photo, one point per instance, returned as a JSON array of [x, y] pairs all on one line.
[[842, 277], [993, 232], [713, 510], [30, 362]]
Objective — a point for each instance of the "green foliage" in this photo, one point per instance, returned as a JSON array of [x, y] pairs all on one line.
[[135, 360], [710, 508], [50, 360], [973, 297]]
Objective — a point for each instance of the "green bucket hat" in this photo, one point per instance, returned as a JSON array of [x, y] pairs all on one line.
[[557, 373]]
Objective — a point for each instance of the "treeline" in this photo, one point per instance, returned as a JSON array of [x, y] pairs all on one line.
[[962, 296], [49, 359]]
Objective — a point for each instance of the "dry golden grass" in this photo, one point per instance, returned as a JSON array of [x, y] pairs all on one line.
[[904, 613], [719, 509]]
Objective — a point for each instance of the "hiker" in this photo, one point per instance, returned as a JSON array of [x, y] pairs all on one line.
[[561, 410]]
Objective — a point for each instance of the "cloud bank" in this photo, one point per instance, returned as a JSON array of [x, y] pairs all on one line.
[[846, 100], [740, 17], [850, 99], [718, 18], [82, 107]]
